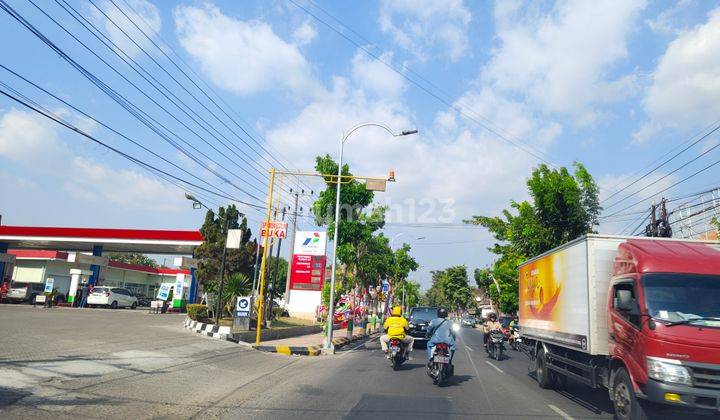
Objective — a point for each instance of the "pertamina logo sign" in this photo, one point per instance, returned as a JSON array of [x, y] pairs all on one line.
[[310, 243]]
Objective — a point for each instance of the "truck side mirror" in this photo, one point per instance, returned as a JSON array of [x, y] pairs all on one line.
[[623, 301]]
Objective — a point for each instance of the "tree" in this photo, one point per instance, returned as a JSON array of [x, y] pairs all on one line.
[[563, 207], [450, 288], [411, 291], [209, 253], [402, 264], [366, 258], [278, 282], [237, 285], [133, 258]]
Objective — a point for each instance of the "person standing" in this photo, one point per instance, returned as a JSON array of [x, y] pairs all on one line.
[[85, 292]]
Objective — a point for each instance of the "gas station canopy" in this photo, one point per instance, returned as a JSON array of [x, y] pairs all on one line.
[[181, 242]]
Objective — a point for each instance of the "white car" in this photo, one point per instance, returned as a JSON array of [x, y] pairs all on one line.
[[112, 297]]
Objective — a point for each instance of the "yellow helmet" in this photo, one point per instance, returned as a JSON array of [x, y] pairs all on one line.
[[396, 311]]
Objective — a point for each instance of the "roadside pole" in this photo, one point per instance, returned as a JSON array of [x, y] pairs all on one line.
[[292, 246], [218, 306], [264, 257], [273, 283], [255, 270]]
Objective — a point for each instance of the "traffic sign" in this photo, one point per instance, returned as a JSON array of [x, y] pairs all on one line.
[[242, 306]]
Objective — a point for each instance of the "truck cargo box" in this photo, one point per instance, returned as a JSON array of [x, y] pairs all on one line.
[[563, 294]]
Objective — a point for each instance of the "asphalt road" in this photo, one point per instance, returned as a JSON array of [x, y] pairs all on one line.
[[69, 363]]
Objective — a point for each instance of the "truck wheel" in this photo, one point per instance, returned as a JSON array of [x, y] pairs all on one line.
[[545, 379], [626, 404]]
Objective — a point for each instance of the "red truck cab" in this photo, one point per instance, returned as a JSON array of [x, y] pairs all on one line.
[[664, 324]]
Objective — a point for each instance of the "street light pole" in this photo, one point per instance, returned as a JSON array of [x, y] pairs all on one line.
[[331, 306]]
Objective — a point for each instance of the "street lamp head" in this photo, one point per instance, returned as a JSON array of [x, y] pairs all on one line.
[[190, 197], [408, 132]]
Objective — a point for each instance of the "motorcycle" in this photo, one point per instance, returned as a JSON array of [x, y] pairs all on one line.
[[495, 345], [396, 353], [440, 368], [515, 340]]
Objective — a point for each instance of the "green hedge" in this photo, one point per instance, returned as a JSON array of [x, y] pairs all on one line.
[[197, 312]]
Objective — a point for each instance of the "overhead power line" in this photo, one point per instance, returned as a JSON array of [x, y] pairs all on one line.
[[59, 120], [671, 172], [671, 186], [701, 138]]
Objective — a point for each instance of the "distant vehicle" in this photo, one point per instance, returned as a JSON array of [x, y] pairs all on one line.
[[22, 291], [468, 321], [420, 317], [112, 297]]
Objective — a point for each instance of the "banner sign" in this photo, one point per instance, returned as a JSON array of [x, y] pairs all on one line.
[[49, 284], [179, 286], [164, 291], [276, 229]]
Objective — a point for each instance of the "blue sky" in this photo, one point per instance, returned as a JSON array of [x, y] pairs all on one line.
[[614, 85]]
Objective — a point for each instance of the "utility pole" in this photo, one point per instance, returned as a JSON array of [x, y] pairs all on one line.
[[292, 246], [273, 283]]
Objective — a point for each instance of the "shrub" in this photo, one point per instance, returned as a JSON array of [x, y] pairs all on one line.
[[279, 312], [197, 312]]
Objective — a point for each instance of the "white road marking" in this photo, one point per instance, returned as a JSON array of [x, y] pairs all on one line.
[[494, 367], [562, 414], [358, 346], [469, 349]]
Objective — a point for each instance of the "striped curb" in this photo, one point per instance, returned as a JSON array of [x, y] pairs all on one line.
[[290, 350], [210, 330], [308, 350]]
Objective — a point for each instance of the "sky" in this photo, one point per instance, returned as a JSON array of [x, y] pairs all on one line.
[[216, 93]]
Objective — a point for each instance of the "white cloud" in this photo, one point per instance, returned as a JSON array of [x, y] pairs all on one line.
[[685, 89], [304, 34], [421, 26], [28, 139], [375, 76], [449, 160], [560, 59], [36, 144], [143, 13], [244, 57], [666, 22], [127, 188]]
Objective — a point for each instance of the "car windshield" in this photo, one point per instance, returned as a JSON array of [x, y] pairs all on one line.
[[683, 297], [423, 314], [100, 289]]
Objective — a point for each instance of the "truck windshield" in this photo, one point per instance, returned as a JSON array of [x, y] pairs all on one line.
[[683, 298]]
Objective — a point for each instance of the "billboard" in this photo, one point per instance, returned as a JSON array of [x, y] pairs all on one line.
[[307, 269]]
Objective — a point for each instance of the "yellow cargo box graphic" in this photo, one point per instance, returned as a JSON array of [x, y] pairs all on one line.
[[553, 297]]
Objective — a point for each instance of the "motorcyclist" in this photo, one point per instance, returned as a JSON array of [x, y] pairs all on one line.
[[514, 323], [396, 327], [491, 324], [440, 331]]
